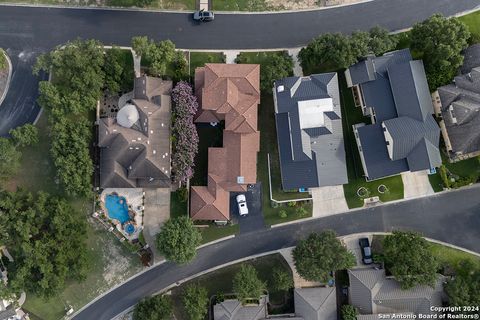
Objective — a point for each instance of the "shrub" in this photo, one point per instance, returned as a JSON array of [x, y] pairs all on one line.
[[301, 211], [282, 214]]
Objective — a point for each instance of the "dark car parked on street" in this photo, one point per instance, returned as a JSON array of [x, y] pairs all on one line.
[[366, 250], [203, 16]]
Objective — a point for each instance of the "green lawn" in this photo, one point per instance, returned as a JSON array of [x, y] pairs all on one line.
[[220, 281], [452, 257], [472, 20], [38, 173], [214, 232], [198, 59], [258, 56]]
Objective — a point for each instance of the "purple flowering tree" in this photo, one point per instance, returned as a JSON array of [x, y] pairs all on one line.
[[185, 137]]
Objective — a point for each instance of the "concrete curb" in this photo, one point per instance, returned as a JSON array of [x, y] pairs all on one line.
[[9, 77], [383, 204], [216, 241]]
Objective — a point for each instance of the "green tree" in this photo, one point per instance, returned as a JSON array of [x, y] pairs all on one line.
[[409, 259], [178, 240], [349, 312], [161, 57], [381, 41], [319, 254], [78, 73], [277, 67], [114, 71], [195, 301], [180, 66], [9, 159], [333, 50], [46, 238], [25, 135], [154, 308], [71, 154], [439, 41], [141, 45], [281, 280], [246, 284], [78, 79], [360, 44], [464, 288]]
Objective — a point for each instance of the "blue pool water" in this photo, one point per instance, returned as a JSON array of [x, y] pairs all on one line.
[[129, 228], [117, 208]]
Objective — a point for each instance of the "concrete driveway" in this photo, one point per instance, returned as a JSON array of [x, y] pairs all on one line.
[[416, 184], [254, 220], [328, 201], [351, 242], [157, 211]]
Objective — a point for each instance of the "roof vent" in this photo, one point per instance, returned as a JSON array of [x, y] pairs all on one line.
[[281, 88], [240, 179]]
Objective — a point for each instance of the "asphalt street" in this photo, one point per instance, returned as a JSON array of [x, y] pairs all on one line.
[[452, 217], [27, 32]]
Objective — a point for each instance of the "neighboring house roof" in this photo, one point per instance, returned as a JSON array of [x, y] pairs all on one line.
[[230, 93], [318, 303], [7, 314], [471, 58], [371, 292], [460, 111], [232, 309], [135, 146], [396, 88], [309, 131]]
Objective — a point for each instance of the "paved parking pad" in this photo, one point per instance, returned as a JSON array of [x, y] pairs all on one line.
[[254, 220], [328, 201], [416, 184]]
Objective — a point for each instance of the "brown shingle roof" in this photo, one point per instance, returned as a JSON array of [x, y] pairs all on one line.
[[227, 92], [138, 156]]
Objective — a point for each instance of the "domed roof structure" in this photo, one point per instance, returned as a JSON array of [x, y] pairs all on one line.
[[127, 116]]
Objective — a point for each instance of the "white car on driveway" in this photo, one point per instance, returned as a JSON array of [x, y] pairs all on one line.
[[242, 205]]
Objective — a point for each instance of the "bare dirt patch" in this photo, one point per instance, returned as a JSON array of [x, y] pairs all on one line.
[[305, 4]]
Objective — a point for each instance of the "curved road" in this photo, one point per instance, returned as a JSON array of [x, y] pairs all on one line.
[[26, 32], [452, 217]]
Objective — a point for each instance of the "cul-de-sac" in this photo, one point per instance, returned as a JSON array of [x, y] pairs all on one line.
[[239, 159]]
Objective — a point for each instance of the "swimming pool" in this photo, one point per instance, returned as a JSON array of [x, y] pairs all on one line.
[[117, 208]]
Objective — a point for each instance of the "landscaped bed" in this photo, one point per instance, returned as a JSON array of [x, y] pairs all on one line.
[[220, 282]]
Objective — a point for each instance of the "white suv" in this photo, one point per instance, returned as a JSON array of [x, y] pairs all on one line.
[[242, 205]]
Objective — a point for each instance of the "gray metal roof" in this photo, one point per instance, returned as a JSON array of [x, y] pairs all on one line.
[[318, 303], [461, 111], [372, 292], [400, 99], [410, 90], [309, 156], [233, 309], [375, 153], [471, 58]]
